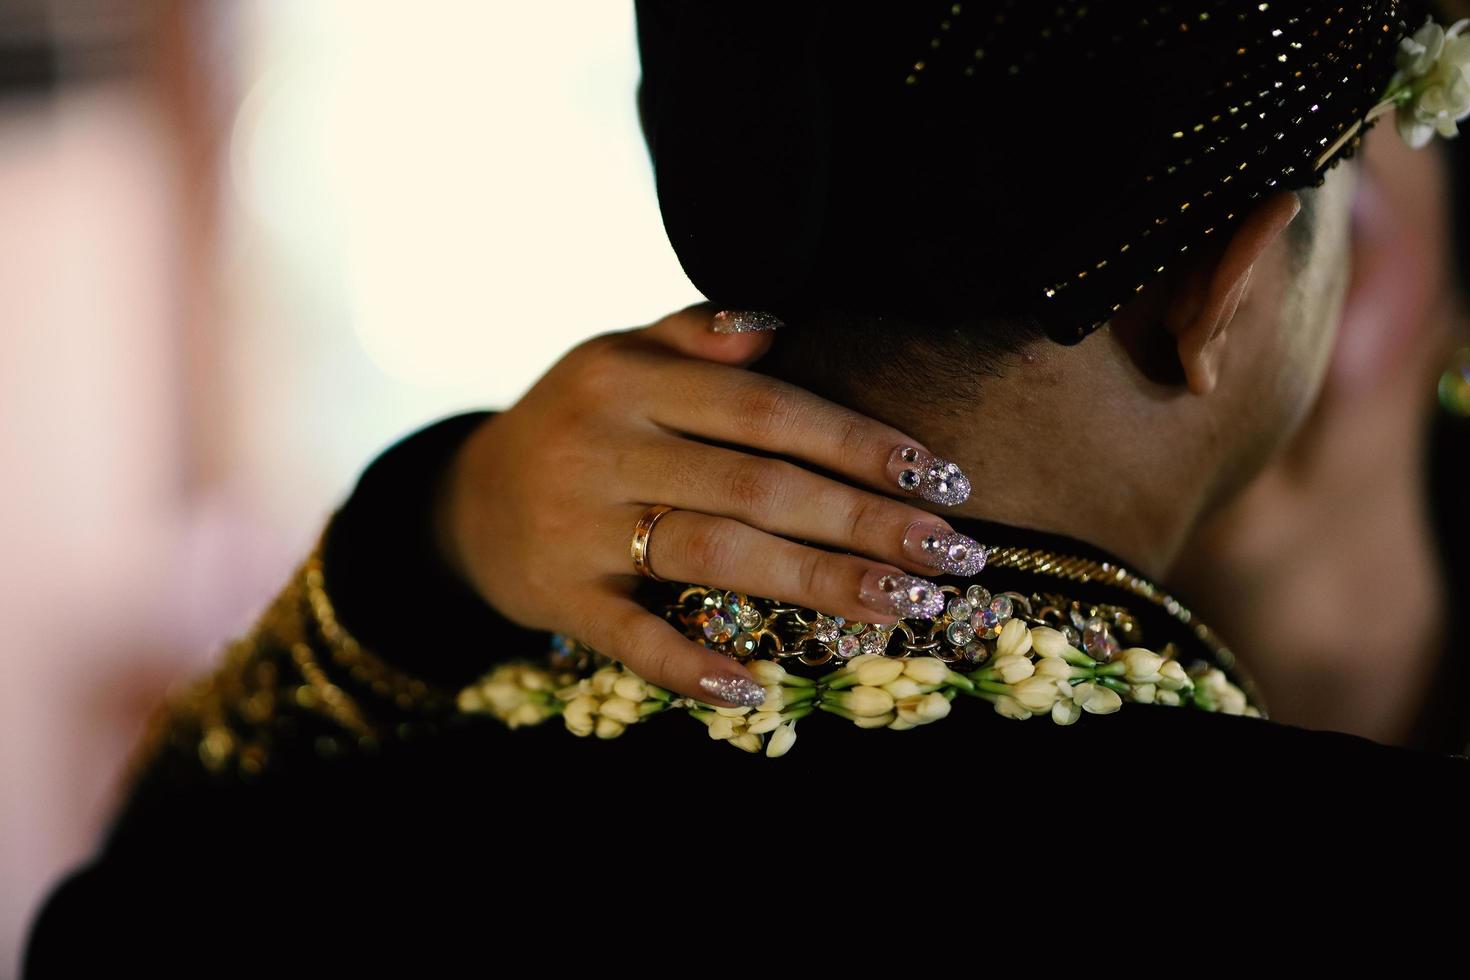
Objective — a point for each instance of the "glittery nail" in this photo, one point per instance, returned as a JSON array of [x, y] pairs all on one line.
[[936, 480], [740, 690], [744, 321], [901, 595], [941, 548]]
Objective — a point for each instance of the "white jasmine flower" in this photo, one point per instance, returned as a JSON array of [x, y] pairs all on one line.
[[1053, 668], [876, 673], [608, 728], [781, 740], [1097, 699], [1145, 693], [767, 673], [903, 687], [619, 709], [1434, 72], [1038, 694], [748, 742], [1014, 639], [579, 714], [1048, 642], [1173, 677], [470, 699], [899, 725], [527, 714], [926, 670], [1141, 666], [1009, 707], [875, 721], [1013, 669], [763, 721], [1065, 711], [630, 687], [921, 709], [775, 699], [864, 701], [723, 727], [604, 679], [1171, 698]]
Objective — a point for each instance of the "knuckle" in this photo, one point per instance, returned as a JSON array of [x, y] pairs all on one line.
[[812, 574], [710, 550], [853, 437], [754, 487], [765, 409]]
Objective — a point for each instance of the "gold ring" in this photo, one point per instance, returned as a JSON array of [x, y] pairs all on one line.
[[641, 534]]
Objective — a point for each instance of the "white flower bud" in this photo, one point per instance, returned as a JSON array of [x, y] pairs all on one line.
[[1141, 666], [603, 681], [875, 721], [1065, 711], [1009, 707], [775, 699], [1233, 702], [1048, 642], [876, 673], [1014, 639], [767, 673], [721, 726], [921, 709], [1013, 669], [1054, 668], [926, 670], [535, 680], [763, 721], [902, 687], [619, 709], [739, 712], [470, 700], [630, 687], [1036, 694], [899, 725], [1164, 696], [781, 740], [748, 742], [526, 714], [1145, 693], [609, 728], [866, 701], [1102, 701], [1173, 677]]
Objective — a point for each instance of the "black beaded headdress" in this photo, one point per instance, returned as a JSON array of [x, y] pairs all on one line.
[[1019, 158]]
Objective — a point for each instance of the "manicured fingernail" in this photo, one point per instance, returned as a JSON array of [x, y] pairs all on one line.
[[740, 690], [744, 321], [901, 595], [936, 480], [939, 547]]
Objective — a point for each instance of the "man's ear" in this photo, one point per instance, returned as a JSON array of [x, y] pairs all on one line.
[[1199, 312]]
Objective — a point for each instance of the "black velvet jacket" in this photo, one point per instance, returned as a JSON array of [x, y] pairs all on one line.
[[295, 812]]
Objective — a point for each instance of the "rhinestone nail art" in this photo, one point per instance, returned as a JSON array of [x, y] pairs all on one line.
[[936, 480], [745, 321], [903, 595], [740, 690], [945, 550]]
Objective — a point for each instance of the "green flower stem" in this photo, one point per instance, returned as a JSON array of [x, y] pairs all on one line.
[[993, 687], [799, 713], [800, 696], [840, 712], [647, 708], [1115, 669], [1122, 687], [839, 679], [792, 680], [956, 679], [659, 694]]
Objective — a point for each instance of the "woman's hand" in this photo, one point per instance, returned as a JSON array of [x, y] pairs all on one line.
[[538, 509]]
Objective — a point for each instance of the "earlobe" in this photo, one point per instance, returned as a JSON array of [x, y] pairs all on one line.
[[1201, 312]]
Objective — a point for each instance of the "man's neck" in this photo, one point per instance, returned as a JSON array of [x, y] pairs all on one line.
[[1074, 442]]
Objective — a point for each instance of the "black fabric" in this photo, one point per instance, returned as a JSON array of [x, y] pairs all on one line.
[[198, 871], [391, 590], [1040, 161]]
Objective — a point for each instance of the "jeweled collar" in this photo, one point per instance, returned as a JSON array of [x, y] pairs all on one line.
[[1050, 626]]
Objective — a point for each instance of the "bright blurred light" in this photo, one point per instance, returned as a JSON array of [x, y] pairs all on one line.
[[465, 182]]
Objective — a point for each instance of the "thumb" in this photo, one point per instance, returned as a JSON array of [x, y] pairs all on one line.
[[734, 337]]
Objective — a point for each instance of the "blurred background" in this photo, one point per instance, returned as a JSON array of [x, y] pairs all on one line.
[[244, 244]]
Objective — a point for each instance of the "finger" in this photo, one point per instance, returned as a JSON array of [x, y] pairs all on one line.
[[746, 409], [687, 546], [657, 652], [784, 499], [703, 332]]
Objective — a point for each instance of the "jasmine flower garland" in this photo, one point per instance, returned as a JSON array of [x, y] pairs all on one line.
[[1036, 671]]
